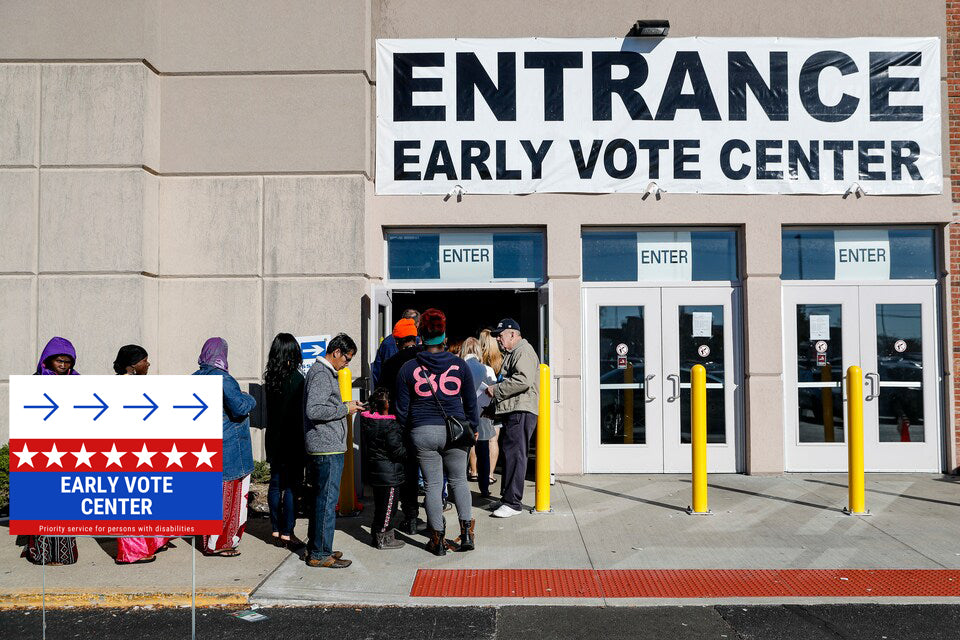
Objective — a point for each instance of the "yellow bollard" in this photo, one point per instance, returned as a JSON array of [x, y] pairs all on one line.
[[543, 443], [698, 438], [348, 495], [628, 406], [855, 482], [826, 400]]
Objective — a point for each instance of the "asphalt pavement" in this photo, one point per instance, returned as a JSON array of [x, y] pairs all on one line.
[[781, 622]]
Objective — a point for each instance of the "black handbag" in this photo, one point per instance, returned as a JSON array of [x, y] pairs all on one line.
[[460, 433]]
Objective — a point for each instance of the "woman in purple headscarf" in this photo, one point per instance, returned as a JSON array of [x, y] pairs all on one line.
[[57, 359], [237, 450]]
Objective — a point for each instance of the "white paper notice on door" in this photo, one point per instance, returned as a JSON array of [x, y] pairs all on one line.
[[820, 327], [861, 254], [702, 324]]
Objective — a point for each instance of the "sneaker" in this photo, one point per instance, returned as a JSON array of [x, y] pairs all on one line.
[[505, 511]]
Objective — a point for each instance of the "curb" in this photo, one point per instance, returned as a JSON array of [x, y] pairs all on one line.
[[120, 599]]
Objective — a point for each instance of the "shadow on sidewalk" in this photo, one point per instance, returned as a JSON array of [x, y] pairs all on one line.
[[756, 494], [887, 493], [654, 503]]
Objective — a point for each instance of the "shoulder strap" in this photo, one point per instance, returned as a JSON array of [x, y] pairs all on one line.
[[430, 384]]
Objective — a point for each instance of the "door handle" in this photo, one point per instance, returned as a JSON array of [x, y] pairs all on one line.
[[646, 387], [675, 381], [874, 380]]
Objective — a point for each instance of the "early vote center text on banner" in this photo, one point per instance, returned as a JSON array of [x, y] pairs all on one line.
[[693, 115], [116, 455]]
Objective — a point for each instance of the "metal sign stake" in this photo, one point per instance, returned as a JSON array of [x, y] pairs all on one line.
[[193, 589], [43, 593]]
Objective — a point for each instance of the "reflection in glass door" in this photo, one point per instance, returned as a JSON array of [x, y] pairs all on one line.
[[699, 328], [889, 331], [641, 344], [622, 385], [900, 367]]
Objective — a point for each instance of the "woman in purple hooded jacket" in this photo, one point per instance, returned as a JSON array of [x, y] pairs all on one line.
[[57, 359]]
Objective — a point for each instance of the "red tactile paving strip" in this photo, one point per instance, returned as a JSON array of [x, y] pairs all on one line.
[[685, 583]]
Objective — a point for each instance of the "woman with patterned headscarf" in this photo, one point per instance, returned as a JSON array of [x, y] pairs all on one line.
[[58, 359], [237, 450]]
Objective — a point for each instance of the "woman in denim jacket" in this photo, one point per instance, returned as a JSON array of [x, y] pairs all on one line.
[[237, 450]]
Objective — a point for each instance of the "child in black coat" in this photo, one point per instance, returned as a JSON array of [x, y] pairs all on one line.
[[385, 456]]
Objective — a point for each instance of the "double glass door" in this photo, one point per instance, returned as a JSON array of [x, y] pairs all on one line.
[[641, 344], [888, 331]]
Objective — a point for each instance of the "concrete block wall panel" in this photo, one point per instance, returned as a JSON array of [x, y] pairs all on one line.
[[263, 123], [613, 18], [95, 114], [18, 220], [95, 220], [565, 363], [19, 96], [313, 225], [764, 444], [194, 309], [314, 306], [298, 35], [98, 314], [566, 447], [88, 30], [18, 317], [4, 415], [763, 325], [210, 226]]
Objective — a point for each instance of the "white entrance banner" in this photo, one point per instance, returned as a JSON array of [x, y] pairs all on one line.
[[664, 256], [861, 254], [466, 257], [694, 115]]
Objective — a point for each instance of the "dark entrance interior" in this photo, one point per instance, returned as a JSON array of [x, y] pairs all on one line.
[[470, 311]]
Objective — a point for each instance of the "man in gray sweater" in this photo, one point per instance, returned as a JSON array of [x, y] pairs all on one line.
[[518, 398], [325, 434]]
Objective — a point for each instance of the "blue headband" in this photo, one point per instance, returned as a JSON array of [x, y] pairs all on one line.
[[430, 342]]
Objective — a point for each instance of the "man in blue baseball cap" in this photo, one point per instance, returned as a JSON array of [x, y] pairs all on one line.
[[517, 399]]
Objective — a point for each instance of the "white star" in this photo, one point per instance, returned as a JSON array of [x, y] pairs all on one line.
[[53, 456], [203, 456], [26, 457], [144, 456], [173, 456], [113, 456], [83, 456]]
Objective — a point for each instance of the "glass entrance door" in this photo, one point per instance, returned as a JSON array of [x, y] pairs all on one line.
[[640, 346], [622, 395], [890, 332], [699, 328]]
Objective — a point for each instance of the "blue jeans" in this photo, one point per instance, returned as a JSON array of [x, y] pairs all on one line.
[[325, 474], [285, 481]]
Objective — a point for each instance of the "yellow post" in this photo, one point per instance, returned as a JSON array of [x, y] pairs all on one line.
[[855, 482], [698, 437], [826, 400], [543, 443], [628, 405], [348, 495]]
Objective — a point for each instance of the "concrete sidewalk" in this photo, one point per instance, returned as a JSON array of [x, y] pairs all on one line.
[[599, 522]]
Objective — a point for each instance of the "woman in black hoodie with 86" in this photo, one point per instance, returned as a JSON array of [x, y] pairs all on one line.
[[433, 379], [384, 460]]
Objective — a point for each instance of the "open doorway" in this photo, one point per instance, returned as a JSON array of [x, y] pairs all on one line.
[[469, 311]]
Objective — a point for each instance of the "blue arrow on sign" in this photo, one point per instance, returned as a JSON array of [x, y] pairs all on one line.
[[102, 406], [153, 406], [202, 406], [53, 406]]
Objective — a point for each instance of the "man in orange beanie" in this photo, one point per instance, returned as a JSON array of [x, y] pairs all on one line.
[[405, 335]]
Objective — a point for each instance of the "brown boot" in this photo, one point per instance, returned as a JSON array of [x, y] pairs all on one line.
[[438, 544], [387, 541], [466, 541]]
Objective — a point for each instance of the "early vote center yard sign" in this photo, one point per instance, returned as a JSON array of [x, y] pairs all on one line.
[[694, 115], [116, 455]]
